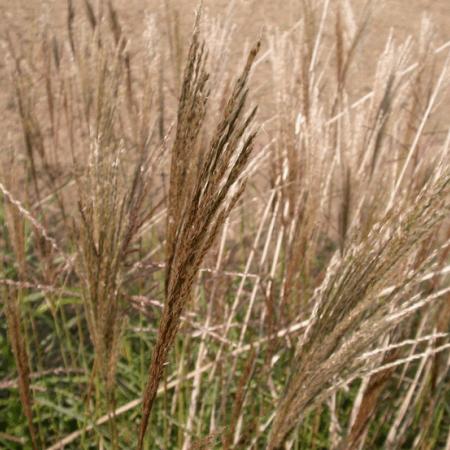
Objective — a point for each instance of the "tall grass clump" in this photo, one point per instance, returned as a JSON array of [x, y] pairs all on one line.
[[355, 304], [179, 272], [200, 196]]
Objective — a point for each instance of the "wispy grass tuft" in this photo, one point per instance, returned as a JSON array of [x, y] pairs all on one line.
[[200, 200]]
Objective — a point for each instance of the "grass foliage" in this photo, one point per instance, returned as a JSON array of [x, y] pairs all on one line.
[[180, 271]]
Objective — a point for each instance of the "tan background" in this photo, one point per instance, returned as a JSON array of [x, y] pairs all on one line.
[[250, 17]]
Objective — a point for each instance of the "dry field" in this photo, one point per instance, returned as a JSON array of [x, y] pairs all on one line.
[[250, 17], [225, 227]]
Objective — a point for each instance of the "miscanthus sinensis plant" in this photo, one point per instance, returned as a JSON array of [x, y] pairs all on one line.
[[181, 272]]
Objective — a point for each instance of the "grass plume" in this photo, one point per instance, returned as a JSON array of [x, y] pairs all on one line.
[[199, 203]]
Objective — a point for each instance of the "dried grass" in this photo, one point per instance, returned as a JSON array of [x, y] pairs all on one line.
[[327, 291], [199, 203]]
